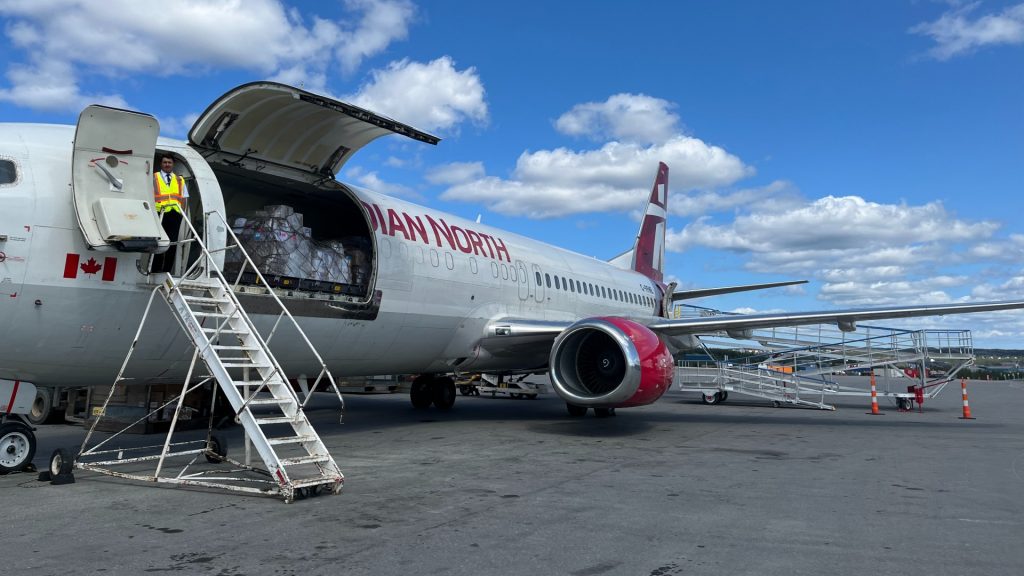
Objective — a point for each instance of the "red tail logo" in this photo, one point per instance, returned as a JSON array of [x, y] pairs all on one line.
[[649, 252]]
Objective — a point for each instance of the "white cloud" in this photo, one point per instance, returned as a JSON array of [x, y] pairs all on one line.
[[382, 23], [455, 173], [955, 33], [615, 177], [371, 181], [706, 202], [627, 117], [864, 253], [430, 96], [830, 223], [120, 37]]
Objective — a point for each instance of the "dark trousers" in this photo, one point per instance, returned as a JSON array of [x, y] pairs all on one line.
[[171, 221]]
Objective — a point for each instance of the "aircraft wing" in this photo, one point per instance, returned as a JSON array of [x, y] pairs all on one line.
[[845, 319], [512, 336]]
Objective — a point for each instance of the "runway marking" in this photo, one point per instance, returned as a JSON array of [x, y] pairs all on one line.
[[979, 521]]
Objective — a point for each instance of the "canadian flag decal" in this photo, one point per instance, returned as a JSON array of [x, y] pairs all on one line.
[[89, 268]]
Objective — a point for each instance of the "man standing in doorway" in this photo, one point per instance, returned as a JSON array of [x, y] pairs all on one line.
[[169, 192]]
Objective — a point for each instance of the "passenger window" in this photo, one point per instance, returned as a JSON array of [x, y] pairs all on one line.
[[538, 278], [449, 261], [547, 279], [565, 283], [557, 283], [603, 294], [472, 265], [579, 287], [572, 288], [494, 269], [504, 272], [512, 274], [434, 258], [8, 172]]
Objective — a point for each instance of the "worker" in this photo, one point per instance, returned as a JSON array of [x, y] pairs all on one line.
[[169, 192]]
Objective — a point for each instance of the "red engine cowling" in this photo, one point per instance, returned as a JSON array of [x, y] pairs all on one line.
[[610, 363]]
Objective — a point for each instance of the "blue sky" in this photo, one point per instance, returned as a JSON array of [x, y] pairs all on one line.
[[874, 148]]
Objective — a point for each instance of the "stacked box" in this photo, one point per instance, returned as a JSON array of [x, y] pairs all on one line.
[[281, 246]]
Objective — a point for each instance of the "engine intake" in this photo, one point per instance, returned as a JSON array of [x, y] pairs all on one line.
[[610, 362]]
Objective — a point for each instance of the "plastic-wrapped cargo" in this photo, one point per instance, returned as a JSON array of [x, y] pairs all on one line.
[[280, 245]]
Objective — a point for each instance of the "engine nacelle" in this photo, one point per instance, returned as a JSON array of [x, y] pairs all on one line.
[[610, 363]]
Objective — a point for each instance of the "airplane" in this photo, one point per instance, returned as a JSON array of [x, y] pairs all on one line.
[[428, 293]]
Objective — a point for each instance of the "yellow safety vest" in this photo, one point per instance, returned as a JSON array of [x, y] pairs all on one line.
[[168, 196]]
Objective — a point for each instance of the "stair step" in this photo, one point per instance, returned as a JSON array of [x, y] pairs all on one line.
[[291, 440], [225, 330], [255, 383], [311, 459], [214, 314], [270, 401], [243, 364], [264, 420], [240, 348], [206, 300], [316, 480]]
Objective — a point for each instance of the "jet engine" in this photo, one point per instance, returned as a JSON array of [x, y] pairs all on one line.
[[610, 362]]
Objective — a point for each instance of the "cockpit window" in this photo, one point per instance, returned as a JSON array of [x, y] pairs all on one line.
[[8, 172]]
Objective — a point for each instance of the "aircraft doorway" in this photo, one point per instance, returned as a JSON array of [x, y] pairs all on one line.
[[15, 232]]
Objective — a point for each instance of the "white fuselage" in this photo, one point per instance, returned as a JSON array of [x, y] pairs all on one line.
[[442, 280]]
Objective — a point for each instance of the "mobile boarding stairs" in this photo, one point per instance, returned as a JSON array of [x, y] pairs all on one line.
[[237, 358], [799, 365]]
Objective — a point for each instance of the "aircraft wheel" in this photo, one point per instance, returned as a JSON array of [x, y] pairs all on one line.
[[465, 390], [217, 450], [443, 393], [604, 412], [576, 411], [710, 399], [17, 446], [420, 393], [42, 406]]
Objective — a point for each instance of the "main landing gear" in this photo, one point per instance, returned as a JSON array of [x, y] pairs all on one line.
[[429, 389]]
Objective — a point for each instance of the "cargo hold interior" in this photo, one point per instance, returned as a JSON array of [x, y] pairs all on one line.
[[301, 236]]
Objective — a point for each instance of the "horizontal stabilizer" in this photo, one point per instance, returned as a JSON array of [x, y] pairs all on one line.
[[700, 292]]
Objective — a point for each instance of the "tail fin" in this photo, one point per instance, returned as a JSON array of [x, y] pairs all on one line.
[[648, 254]]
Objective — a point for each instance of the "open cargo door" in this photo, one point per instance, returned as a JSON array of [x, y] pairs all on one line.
[[281, 130], [112, 180]]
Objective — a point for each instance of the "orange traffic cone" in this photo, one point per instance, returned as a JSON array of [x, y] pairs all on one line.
[[967, 407], [874, 397]]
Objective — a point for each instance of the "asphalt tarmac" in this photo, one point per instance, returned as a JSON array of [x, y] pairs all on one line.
[[502, 486]]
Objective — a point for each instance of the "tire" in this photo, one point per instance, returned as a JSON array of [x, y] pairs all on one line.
[[42, 407], [604, 412], [17, 447], [443, 393], [61, 462], [576, 411], [217, 450], [465, 390], [723, 396], [710, 399], [420, 393]]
